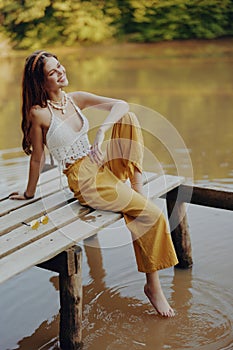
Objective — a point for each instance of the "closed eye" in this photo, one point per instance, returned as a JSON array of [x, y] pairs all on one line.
[[54, 70]]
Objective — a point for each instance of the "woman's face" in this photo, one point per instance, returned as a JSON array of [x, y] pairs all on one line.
[[54, 75]]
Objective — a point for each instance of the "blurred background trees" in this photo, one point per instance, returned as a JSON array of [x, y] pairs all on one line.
[[33, 24]]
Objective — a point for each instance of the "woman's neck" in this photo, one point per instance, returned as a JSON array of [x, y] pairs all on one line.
[[56, 96], [59, 104]]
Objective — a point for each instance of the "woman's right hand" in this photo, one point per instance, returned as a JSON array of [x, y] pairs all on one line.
[[96, 155]]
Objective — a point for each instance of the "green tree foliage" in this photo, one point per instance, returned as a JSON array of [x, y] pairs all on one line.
[[47, 22], [32, 24], [154, 20]]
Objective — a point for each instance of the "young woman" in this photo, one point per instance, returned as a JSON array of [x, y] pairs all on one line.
[[54, 119]]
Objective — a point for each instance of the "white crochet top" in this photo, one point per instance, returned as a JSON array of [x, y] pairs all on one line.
[[64, 143]]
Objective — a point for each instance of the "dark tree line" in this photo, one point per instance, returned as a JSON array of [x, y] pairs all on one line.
[[32, 24]]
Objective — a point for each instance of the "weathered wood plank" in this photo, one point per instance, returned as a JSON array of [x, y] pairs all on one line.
[[14, 218], [210, 197], [24, 235], [49, 183], [42, 191], [53, 244], [44, 177], [11, 150], [8, 188], [16, 160], [34, 209], [162, 185]]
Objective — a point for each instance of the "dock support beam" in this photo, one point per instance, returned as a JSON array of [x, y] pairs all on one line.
[[70, 281], [69, 266], [180, 233]]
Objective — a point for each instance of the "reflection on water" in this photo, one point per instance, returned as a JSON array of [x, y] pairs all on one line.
[[127, 323], [120, 317]]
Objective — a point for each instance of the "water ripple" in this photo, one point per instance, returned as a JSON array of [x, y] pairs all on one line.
[[117, 319]]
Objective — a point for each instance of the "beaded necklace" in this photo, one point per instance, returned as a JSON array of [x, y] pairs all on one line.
[[60, 105]]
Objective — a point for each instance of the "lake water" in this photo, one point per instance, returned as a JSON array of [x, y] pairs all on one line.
[[183, 91]]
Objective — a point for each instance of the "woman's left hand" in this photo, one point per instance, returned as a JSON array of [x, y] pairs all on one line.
[[96, 155]]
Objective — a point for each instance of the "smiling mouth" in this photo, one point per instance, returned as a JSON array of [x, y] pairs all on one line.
[[62, 79]]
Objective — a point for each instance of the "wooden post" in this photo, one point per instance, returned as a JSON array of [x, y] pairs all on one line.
[[179, 232], [70, 282], [69, 266]]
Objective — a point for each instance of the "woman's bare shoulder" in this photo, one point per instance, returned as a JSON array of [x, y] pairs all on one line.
[[81, 98], [40, 115]]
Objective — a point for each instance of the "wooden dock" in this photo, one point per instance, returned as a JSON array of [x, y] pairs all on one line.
[[53, 245]]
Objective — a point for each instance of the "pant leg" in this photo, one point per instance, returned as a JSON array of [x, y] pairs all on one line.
[[124, 154], [103, 188], [125, 149]]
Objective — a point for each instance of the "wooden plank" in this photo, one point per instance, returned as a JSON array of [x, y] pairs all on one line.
[[8, 172], [148, 176], [11, 150], [49, 184], [162, 185], [9, 187], [24, 235], [44, 178], [211, 197], [15, 161], [49, 175], [217, 198], [53, 244], [44, 190], [14, 218]]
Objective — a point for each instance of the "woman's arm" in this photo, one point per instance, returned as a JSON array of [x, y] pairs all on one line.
[[37, 160], [117, 109]]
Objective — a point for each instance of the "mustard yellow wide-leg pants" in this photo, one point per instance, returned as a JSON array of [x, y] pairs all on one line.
[[105, 188]]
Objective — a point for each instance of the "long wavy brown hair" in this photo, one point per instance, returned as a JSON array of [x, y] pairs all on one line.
[[33, 92]]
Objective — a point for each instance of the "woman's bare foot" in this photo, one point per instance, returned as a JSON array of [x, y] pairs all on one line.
[[159, 301]]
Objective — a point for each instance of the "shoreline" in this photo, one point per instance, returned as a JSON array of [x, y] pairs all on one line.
[[8, 51]]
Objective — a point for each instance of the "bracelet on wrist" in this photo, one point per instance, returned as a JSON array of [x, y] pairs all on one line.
[[26, 196]]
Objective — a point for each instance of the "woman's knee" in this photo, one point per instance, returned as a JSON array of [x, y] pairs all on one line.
[[153, 212], [130, 118]]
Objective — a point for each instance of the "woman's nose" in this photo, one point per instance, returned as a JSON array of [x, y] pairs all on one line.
[[60, 70]]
